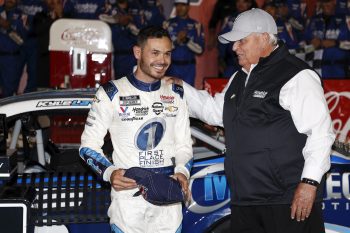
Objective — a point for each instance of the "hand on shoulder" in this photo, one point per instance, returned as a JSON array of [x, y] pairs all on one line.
[[173, 80]]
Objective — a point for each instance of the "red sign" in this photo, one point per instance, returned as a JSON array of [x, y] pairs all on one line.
[[214, 85], [337, 93]]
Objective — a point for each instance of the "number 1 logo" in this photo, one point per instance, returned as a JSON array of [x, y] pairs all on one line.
[[149, 135]]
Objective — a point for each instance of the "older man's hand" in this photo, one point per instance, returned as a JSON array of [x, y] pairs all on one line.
[[303, 201], [173, 80]]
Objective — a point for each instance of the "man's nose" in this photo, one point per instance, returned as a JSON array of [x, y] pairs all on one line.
[[235, 46], [163, 58]]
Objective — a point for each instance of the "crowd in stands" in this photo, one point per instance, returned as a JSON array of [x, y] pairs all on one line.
[[306, 26], [326, 30]]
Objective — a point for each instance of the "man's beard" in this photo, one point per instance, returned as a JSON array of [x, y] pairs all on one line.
[[147, 69]]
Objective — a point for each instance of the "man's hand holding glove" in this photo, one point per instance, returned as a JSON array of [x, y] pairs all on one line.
[[157, 188]]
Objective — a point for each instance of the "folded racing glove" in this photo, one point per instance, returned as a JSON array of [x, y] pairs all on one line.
[[156, 188]]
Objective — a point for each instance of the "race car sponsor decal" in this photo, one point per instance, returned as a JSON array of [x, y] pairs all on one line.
[[337, 193], [157, 108], [210, 190], [63, 103], [169, 99], [129, 100]]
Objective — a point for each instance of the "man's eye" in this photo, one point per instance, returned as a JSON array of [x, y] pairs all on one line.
[[155, 53]]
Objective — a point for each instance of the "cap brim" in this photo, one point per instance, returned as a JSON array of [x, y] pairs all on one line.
[[232, 36]]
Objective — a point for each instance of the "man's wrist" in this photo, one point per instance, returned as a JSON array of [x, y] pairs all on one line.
[[310, 182]]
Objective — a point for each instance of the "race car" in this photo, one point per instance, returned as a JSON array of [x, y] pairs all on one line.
[[44, 182]]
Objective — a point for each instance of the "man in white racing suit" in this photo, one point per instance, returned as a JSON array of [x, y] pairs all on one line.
[[148, 124]]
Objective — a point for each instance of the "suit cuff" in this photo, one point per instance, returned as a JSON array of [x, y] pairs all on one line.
[[108, 172], [182, 169]]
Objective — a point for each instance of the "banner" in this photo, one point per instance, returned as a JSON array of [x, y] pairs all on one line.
[[337, 93]]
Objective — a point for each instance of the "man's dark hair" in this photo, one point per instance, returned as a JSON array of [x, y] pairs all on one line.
[[151, 32]]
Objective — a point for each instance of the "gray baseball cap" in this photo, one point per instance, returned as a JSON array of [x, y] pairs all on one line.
[[254, 20]]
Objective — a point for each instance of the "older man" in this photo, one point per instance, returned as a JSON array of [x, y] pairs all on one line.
[[278, 131]]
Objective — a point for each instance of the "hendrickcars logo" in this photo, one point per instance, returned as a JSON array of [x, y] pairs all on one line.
[[63, 103]]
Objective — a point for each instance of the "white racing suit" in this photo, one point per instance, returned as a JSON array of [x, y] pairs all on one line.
[[149, 128]]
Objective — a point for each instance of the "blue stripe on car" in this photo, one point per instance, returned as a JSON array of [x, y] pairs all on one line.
[[340, 160], [336, 228]]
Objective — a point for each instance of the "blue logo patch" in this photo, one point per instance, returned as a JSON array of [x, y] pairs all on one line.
[[150, 134]]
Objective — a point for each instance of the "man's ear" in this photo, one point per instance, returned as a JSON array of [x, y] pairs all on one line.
[[266, 36], [137, 52]]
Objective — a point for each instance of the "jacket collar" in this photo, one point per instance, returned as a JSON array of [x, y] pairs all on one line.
[[275, 56], [142, 86]]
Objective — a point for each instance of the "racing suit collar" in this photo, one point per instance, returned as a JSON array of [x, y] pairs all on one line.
[[148, 87]]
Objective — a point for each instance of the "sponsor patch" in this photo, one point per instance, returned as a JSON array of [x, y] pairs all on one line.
[[167, 99], [91, 117], [129, 100], [110, 89], [132, 119], [260, 94], [91, 163], [171, 109], [124, 112], [140, 111], [178, 89], [157, 108], [170, 114], [96, 100]]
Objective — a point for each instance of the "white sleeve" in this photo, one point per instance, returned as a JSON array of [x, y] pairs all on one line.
[[303, 96], [205, 107], [97, 124], [183, 147]]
